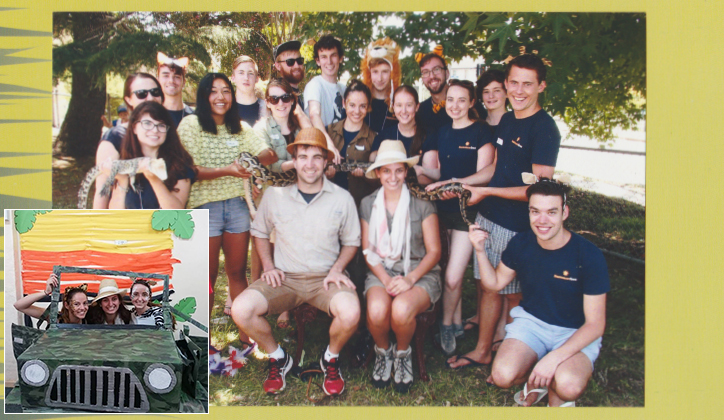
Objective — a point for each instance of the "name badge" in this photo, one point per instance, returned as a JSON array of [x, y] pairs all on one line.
[[232, 143], [274, 136], [500, 141], [359, 147]]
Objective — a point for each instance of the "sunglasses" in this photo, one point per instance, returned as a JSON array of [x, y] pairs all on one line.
[[290, 61], [286, 98], [142, 93]]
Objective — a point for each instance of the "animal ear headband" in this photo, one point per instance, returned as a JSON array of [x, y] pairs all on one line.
[[163, 59], [561, 179], [546, 61], [437, 51]]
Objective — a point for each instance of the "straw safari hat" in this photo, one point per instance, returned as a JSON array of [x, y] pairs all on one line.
[[106, 288], [311, 136], [390, 151]]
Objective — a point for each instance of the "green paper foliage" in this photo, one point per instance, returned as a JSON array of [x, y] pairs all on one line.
[[179, 221]]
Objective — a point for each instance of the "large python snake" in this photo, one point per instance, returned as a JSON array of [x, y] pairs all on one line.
[[262, 175]]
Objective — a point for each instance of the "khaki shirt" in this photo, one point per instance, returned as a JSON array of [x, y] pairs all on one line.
[[309, 236]]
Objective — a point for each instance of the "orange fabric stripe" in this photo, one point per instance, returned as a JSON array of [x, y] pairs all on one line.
[[37, 266]]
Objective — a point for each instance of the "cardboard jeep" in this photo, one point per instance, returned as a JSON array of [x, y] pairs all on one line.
[[109, 368]]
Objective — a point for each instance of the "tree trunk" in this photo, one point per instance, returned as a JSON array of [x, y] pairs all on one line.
[[81, 129]]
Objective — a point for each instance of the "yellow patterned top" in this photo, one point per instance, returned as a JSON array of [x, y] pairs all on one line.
[[217, 151]]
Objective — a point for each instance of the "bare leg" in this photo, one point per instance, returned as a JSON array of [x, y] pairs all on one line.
[[236, 246], [490, 306], [379, 304], [248, 312], [214, 250], [345, 311], [570, 380], [405, 308], [460, 251], [513, 363]]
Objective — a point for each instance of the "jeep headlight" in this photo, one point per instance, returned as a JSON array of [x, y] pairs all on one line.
[[160, 378], [35, 373]]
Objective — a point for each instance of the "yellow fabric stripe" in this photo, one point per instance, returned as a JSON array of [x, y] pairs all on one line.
[[125, 232]]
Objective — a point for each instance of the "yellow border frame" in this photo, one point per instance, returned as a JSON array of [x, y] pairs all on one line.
[[684, 334]]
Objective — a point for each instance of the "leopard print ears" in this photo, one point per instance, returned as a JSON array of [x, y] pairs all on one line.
[[437, 50], [529, 178]]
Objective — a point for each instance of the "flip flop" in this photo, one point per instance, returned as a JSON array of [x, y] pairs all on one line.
[[521, 396], [227, 310], [469, 321], [473, 363]]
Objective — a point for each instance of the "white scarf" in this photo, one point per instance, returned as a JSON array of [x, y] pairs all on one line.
[[387, 246]]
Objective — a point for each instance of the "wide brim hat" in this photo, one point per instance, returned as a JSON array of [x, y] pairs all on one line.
[[286, 46], [390, 151], [106, 288], [311, 136]]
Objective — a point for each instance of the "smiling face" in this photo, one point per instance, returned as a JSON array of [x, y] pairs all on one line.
[[245, 77], [392, 176], [405, 107], [172, 83], [140, 296], [281, 109], [309, 162], [294, 74], [457, 103], [523, 89], [110, 305], [546, 219], [142, 83], [220, 100], [434, 83], [494, 95], [79, 305], [328, 62], [149, 139], [380, 76], [356, 106]]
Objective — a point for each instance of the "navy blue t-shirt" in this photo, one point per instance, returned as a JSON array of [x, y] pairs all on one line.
[[520, 144], [458, 154], [340, 178], [177, 116], [115, 135], [144, 197], [554, 282], [249, 113], [377, 117], [429, 119]]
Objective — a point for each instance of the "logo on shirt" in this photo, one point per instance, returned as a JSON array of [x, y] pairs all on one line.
[[467, 146], [500, 141], [515, 142], [565, 276]]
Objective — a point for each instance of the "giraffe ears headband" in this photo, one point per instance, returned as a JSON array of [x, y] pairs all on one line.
[[546, 61], [437, 51], [530, 179], [83, 288], [163, 59]]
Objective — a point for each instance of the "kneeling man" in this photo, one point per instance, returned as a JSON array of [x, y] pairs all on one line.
[[555, 336], [317, 233]]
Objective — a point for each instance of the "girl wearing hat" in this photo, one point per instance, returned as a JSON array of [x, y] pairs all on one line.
[[401, 243], [146, 312], [152, 134], [214, 136], [139, 88], [75, 303], [457, 151], [107, 307]]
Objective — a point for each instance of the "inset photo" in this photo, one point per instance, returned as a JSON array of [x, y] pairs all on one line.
[[106, 311]]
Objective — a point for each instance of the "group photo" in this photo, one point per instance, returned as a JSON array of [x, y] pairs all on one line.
[[404, 208]]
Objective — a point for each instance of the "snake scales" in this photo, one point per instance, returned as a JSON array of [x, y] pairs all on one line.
[[283, 179]]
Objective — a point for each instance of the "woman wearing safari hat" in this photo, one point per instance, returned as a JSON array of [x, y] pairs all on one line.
[[107, 307], [401, 244]]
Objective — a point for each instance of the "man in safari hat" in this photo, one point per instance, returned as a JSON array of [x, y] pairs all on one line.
[[317, 234]]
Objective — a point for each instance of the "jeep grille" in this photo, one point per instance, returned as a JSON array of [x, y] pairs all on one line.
[[97, 388]]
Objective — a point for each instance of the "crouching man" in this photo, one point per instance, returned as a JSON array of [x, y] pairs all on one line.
[[317, 234], [555, 336]]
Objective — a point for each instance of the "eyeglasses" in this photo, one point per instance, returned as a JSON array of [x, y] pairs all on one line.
[[148, 126], [436, 71], [142, 93], [286, 98], [290, 61]]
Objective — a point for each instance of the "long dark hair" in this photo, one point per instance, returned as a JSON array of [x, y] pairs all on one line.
[[470, 87], [292, 121], [419, 137], [96, 315], [65, 310], [203, 107], [129, 81], [171, 151]]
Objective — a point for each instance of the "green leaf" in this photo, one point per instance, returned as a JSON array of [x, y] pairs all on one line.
[[559, 19], [163, 219], [187, 305], [24, 220], [183, 226]]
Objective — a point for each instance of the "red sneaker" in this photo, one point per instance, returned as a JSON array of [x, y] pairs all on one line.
[[333, 381], [278, 369]]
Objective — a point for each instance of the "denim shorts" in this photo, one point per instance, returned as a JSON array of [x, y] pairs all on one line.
[[230, 216], [543, 337]]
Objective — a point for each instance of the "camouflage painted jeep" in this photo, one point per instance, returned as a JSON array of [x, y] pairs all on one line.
[[109, 368]]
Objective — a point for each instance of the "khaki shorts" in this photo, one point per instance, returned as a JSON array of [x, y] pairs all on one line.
[[297, 289]]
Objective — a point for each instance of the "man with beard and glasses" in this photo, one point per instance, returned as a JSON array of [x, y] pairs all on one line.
[[434, 76], [288, 61]]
